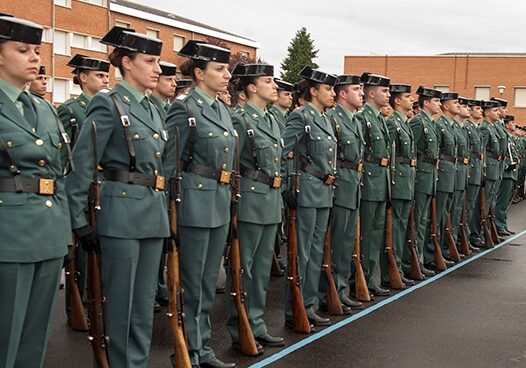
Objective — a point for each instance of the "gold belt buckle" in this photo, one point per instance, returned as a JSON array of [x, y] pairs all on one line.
[[330, 179], [360, 166], [276, 183], [413, 162], [224, 178], [159, 182], [384, 162], [466, 161], [46, 186]]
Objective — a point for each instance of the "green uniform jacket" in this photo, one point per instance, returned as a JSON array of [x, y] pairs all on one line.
[[475, 151], [426, 144], [34, 227], [128, 211], [350, 148], [446, 169], [375, 177], [204, 202], [501, 132], [322, 142], [162, 106], [491, 143], [280, 115], [463, 157], [259, 203], [511, 171], [74, 108], [400, 132]]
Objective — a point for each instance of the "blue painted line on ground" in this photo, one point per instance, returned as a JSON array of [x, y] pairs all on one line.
[[314, 337]]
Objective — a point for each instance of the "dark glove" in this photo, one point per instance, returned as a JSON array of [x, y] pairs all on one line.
[[290, 199], [68, 257], [88, 239]]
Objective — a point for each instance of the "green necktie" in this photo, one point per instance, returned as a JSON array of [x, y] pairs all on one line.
[[29, 111], [215, 106], [146, 104]]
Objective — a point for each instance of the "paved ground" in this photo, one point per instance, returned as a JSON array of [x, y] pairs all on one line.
[[474, 316]]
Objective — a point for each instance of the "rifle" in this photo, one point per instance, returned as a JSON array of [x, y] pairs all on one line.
[[362, 291], [175, 291], [78, 316], [334, 305], [493, 226], [415, 272], [299, 315], [97, 334], [488, 242], [440, 265], [247, 342], [450, 239], [392, 267], [464, 241]]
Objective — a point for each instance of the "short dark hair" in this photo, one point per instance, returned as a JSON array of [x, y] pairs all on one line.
[[421, 100], [116, 57], [392, 99], [339, 88]]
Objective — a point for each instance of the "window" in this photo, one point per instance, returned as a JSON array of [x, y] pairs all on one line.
[[96, 2], [47, 35], [152, 32], [520, 97], [66, 3], [79, 41], [60, 90], [178, 42], [61, 42], [74, 89], [482, 93], [95, 45], [442, 88], [120, 23], [49, 86]]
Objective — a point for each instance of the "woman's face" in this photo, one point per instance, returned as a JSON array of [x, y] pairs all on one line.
[[19, 62], [214, 77], [144, 70], [324, 94], [265, 88]]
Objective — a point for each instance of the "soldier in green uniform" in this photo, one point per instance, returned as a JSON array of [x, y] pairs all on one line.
[[281, 107], [183, 86], [403, 182], [38, 87], [164, 92], [133, 220], [259, 212], [348, 131], [375, 178], [317, 153], [91, 75], [476, 155], [426, 144], [33, 204], [207, 145]]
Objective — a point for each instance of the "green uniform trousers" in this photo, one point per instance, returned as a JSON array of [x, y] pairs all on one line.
[[343, 232], [422, 220], [401, 210], [456, 212], [476, 224], [372, 229], [200, 254], [256, 249], [81, 259], [162, 289], [507, 186], [311, 228], [472, 198], [27, 294], [129, 282]]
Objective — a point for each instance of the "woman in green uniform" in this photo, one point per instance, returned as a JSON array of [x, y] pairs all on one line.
[[133, 220], [34, 225]]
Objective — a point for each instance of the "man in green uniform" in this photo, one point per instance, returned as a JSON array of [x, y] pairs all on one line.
[[375, 178], [403, 181], [281, 107], [38, 87], [163, 94], [183, 86], [426, 143]]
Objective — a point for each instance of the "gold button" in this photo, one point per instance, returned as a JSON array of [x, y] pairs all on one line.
[[348, 142], [123, 194], [1, 201], [329, 138], [155, 172], [319, 138], [330, 162], [369, 173], [199, 185], [155, 136], [276, 174], [33, 130], [252, 188], [41, 162], [39, 142], [157, 154], [223, 166], [225, 134], [276, 159], [227, 149], [59, 145], [9, 144], [330, 149], [49, 203], [136, 136], [275, 145], [210, 134]]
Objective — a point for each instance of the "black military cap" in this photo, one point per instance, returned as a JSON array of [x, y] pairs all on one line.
[[502, 103], [416, 105], [21, 30], [489, 104], [42, 70], [347, 80], [428, 92], [317, 76], [127, 38], [253, 70], [375, 80], [447, 96], [283, 85], [81, 62], [400, 88], [474, 102], [184, 83], [168, 69], [463, 100], [508, 119], [201, 50]]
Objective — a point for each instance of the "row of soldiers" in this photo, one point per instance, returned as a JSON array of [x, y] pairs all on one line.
[[353, 166]]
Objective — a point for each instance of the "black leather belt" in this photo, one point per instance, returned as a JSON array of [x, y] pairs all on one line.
[[406, 161], [327, 179], [448, 158], [429, 160], [152, 181], [220, 175], [356, 166], [494, 155], [20, 184], [479, 156], [257, 175], [382, 161]]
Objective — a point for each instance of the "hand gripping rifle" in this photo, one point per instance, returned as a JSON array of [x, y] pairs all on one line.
[[175, 291], [247, 342], [97, 334], [78, 316], [299, 315]]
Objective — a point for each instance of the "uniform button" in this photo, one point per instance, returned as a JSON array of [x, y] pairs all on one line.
[[49, 204], [1, 202], [319, 138], [33, 130], [42, 163], [210, 134], [227, 149], [330, 149], [252, 188], [369, 173], [155, 172], [199, 185], [155, 136], [223, 166], [225, 134], [157, 154], [59, 145], [136, 136], [123, 194], [9, 144], [329, 138], [39, 142], [276, 174], [330, 162], [348, 142], [275, 145], [276, 159]]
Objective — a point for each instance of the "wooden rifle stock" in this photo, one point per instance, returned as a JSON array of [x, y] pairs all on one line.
[[488, 242], [493, 226], [440, 265], [97, 334], [362, 291], [78, 316], [394, 275], [451, 244], [415, 273], [334, 305], [464, 241]]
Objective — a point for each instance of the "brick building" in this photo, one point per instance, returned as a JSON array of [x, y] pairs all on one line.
[[474, 75], [76, 26]]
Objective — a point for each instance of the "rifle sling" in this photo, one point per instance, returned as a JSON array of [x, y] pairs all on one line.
[[125, 122]]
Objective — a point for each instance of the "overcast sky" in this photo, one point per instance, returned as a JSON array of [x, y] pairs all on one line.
[[366, 27]]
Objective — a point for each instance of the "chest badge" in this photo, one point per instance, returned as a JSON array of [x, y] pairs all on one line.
[[126, 98]]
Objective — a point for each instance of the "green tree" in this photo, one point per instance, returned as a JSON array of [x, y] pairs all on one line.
[[301, 52]]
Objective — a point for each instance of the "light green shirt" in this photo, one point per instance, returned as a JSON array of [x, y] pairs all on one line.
[[375, 110], [348, 113], [282, 111], [262, 113], [87, 97], [134, 91], [314, 108], [209, 100], [12, 92]]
